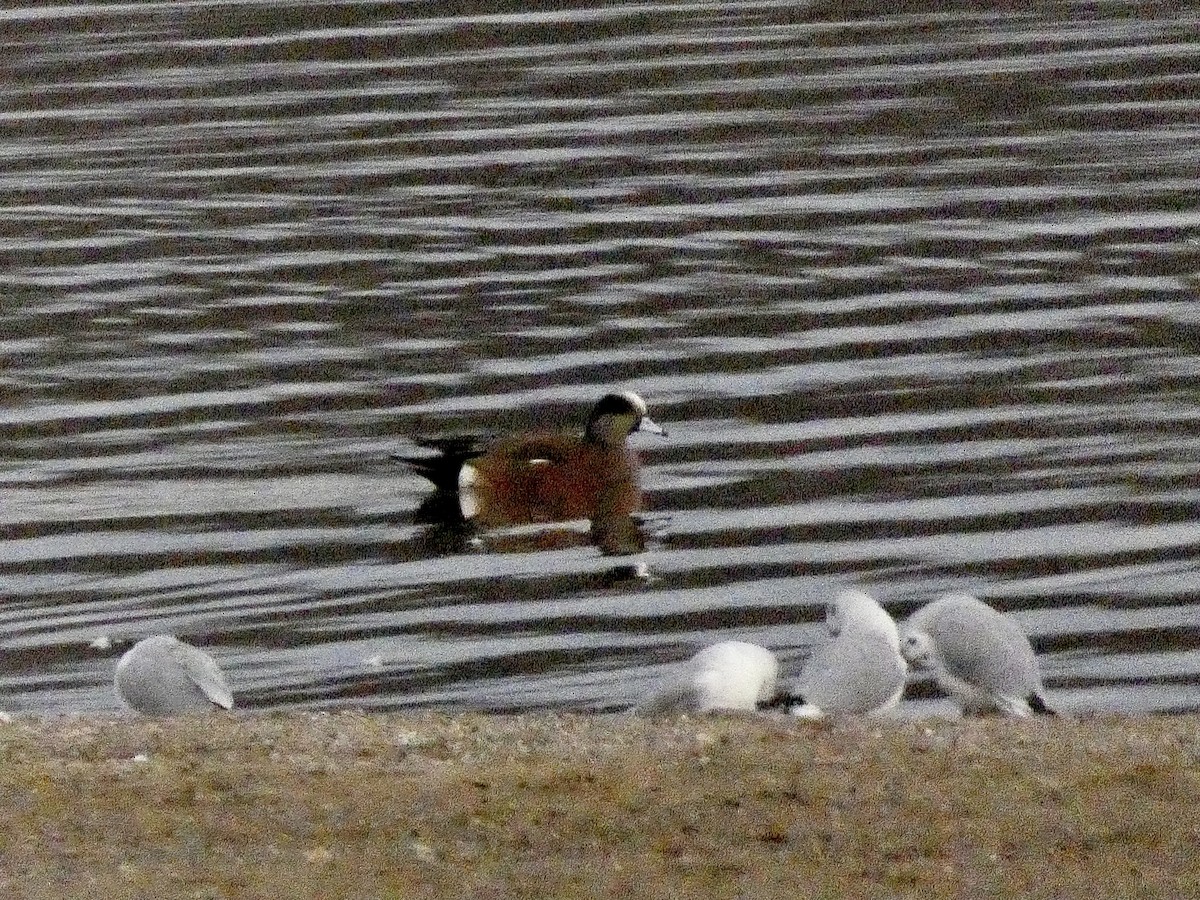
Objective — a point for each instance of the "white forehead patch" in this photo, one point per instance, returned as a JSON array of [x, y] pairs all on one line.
[[636, 402]]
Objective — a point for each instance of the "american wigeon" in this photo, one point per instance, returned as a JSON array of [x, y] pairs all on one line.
[[981, 658], [163, 676], [860, 671], [544, 476], [731, 675]]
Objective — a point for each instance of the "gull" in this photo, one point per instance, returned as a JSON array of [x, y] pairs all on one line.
[[981, 658], [860, 671], [730, 675], [163, 676]]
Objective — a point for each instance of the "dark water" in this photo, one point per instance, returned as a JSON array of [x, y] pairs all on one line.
[[914, 288]]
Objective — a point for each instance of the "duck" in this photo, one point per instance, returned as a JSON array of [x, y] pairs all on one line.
[[543, 476], [729, 675], [164, 676], [860, 671], [978, 656]]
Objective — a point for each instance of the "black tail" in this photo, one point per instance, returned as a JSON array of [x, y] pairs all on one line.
[[781, 699], [442, 471], [451, 452], [1038, 705]]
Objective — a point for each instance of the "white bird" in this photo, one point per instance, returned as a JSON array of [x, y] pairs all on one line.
[[730, 675], [860, 671], [979, 657], [163, 676]]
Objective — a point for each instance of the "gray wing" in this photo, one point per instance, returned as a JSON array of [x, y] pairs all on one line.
[[988, 651], [856, 673], [679, 695], [202, 670]]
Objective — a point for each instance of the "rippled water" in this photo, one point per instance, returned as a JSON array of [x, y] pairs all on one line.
[[914, 288]]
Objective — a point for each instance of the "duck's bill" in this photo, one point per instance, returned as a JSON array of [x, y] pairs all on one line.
[[648, 424]]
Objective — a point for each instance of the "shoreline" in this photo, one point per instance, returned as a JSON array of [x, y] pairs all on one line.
[[366, 805]]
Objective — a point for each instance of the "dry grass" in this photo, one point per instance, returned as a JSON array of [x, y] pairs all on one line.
[[357, 806]]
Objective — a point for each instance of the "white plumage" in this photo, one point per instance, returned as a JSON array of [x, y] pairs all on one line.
[[981, 658], [731, 675], [163, 676]]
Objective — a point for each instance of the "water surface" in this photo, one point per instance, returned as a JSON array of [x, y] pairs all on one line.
[[914, 289]]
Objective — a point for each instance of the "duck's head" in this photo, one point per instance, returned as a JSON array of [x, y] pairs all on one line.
[[617, 416]]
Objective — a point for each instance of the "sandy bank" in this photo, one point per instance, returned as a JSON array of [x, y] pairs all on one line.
[[358, 806]]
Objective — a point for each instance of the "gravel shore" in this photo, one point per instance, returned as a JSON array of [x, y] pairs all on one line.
[[350, 805]]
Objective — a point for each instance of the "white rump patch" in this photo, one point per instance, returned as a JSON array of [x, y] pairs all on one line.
[[468, 495]]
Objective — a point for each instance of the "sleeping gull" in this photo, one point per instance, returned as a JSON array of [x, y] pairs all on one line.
[[980, 658], [859, 671], [163, 676], [731, 675]]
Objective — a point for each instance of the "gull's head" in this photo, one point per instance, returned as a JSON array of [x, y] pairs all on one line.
[[918, 649], [853, 610]]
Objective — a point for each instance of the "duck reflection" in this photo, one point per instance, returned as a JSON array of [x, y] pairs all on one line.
[[485, 484]]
